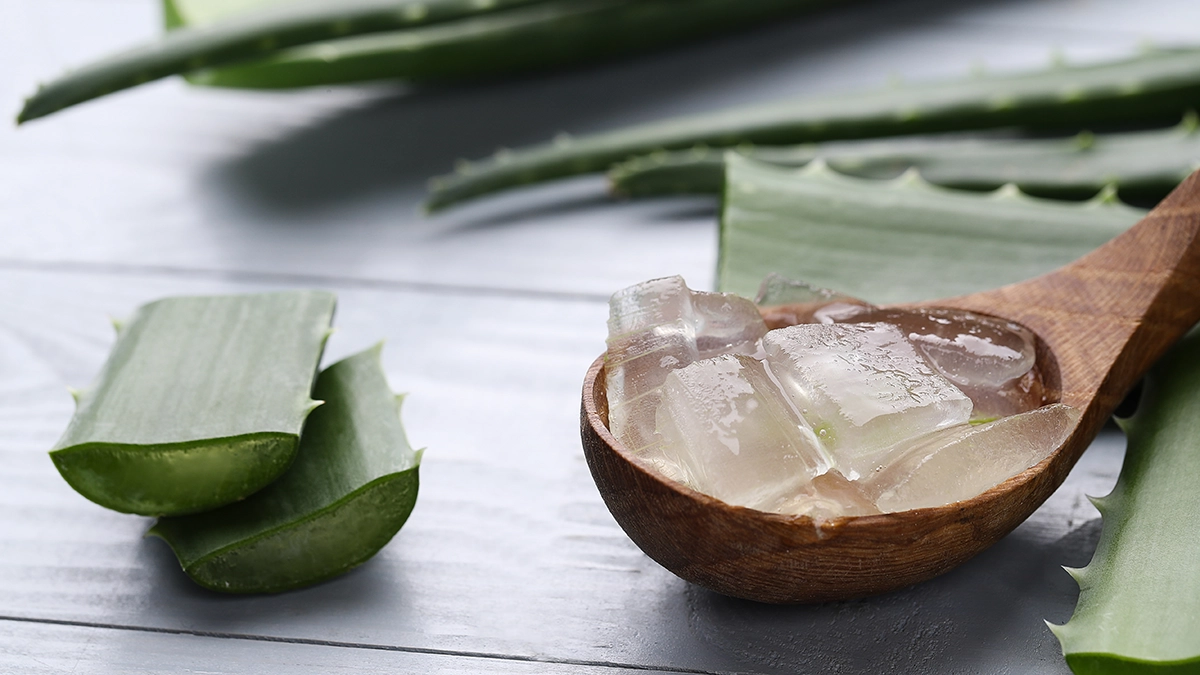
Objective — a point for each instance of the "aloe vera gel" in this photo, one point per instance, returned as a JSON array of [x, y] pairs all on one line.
[[864, 410]]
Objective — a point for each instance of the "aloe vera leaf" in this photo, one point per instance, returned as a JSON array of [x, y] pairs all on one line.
[[1139, 598], [244, 36], [200, 403], [1143, 166], [539, 37], [899, 240], [1152, 88], [351, 488]]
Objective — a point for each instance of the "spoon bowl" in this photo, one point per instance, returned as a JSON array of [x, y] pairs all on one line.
[[1100, 323]]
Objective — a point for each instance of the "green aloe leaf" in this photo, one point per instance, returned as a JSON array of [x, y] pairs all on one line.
[[1139, 599], [542, 36], [899, 240], [1143, 166], [1153, 88], [244, 36], [200, 403], [351, 488]]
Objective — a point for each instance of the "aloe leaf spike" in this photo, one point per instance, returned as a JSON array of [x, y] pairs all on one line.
[[352, 486], [899, 240], [200, 403], [1147, 89], [246, 36], [1139, 597]]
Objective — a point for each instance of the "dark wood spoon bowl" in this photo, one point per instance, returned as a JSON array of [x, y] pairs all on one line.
[[1101, 322]]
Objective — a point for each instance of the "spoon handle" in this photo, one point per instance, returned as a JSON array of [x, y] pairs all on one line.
[[1107, 317]]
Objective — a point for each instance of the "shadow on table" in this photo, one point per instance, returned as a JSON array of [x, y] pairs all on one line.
[[374, 587], [395, 143], [984, 617]]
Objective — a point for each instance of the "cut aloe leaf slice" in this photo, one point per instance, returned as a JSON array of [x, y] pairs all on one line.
[[1139, 598], [352, 486], [900, 240], [200, 403]]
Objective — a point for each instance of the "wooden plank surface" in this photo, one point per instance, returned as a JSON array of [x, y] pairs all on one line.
[[491, 316], [510, 549], [46, 649]]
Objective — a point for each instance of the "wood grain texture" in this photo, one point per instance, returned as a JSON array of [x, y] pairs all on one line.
[[1101, 322]]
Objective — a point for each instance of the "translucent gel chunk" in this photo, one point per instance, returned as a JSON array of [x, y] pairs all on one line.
[[648, 304], [726, 324], [639, 362], [863, 388], [659, 326], [780, 290], [990, 360], [960, 463], [828, 496], [726, 427]]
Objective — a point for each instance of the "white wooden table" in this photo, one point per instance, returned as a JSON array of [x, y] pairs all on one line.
[[510, 563]]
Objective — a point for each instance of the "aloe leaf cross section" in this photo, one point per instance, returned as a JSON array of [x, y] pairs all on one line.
[[351, 488], [901, 240], [1154, 88], [200, 403], [1139, 598]]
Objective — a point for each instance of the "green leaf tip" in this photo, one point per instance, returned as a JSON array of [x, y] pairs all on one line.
[[181, 418], [256, 32], [352, 486]]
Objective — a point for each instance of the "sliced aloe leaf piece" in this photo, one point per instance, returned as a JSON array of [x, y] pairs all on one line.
[[200, 403], [352, 486], [246, 35], [1143, 166], [1139, 598], [543, 36], [899, 240], [1153, 88]]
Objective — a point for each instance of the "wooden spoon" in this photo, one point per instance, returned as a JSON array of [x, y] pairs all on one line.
[[1101, 322]]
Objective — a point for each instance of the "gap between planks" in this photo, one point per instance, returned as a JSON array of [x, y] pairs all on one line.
[[294, 278], [494, 656]]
